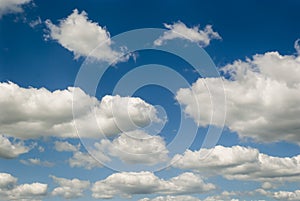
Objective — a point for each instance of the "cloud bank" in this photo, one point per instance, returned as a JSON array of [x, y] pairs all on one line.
[[262, 97]]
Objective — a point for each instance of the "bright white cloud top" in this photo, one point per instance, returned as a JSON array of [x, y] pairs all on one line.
[[10, 190], [262, 97], [240, 163], [127, 184], [193, 34], [33, 113], [69, 188], [81, 36]]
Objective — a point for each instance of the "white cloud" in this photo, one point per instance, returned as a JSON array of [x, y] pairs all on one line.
[[281, 195], [7, 181], [126, 184], [69, 188], [37, 161], [65, 146], [267, 185], [81, 36], [35, 23], [85, 160], [240, 163], [33, 113], [12, 6], [224, 196], [10, 149], [172, 198], [287, 195], [9, 190], [194, 34], [136, 147], [262, 98]]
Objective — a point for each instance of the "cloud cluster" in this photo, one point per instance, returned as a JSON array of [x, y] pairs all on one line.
[[240, 163], [81, 36], [33, 113], [136, 147], [86, 160], [65, 146], [10, 149], [126, 184], [172, 198], [12, 6], [280, 195], [262, 97], [69, 188], [193, 34], [79, 158], [9, 190]]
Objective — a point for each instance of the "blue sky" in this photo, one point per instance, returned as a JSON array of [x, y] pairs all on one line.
[[59, 139]]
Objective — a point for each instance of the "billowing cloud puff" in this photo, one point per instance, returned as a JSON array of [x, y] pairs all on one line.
[[9, 190], [194, 34], [10, 149], [69, 188], [136, 147], [32, 113], [280, 195], [262, 97], [126, 184], [81, 36], [240, 163]]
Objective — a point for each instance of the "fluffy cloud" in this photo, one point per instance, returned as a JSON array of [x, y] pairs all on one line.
[[65, 146], [69, 188], [281, 195], [9, 190], [240, 163], [171, 198], [136, 147], [12, 6], [262, 97], [10, 150], [33, 113], [85, 160], [81, 36], [37, 161], [194, 34], [126, 184], [224, 196]]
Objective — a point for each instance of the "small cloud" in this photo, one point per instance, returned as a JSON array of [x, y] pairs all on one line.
[[81, 36], [35, 23], [10, 149], [193, 34], [12, 6], [38, 162]]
